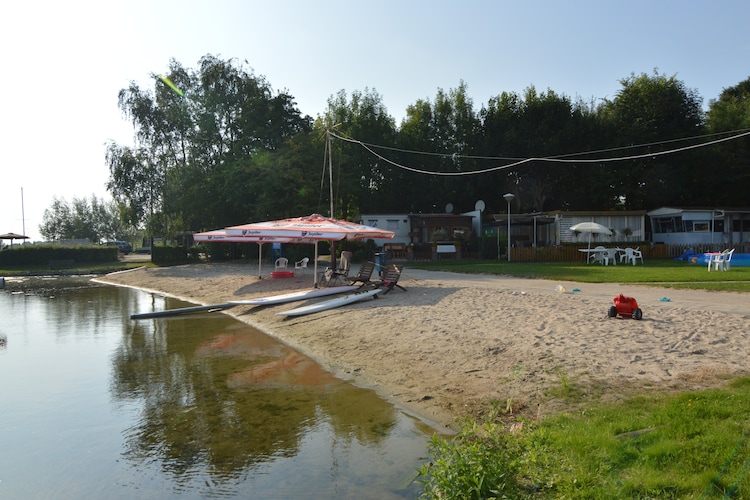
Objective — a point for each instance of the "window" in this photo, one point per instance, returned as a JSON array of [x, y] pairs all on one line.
[[392, 224], [668, 225], [701, 226]]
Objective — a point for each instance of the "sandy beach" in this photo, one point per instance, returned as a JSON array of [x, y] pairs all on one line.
[[452, 345]]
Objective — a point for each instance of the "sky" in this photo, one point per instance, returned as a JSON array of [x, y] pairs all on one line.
[[64, 63]]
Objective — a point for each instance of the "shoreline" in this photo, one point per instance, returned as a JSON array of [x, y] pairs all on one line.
[[452, 345]]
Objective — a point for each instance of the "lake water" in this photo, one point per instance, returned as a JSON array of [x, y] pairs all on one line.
[[95, 405]]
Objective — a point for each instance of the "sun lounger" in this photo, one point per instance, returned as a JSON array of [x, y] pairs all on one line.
[[363, 275], [390, 278]]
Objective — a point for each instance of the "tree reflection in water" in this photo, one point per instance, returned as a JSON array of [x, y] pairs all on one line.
[[222, 395]]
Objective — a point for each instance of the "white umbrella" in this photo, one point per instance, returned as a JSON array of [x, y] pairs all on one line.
[[311, 228], [590, 227]]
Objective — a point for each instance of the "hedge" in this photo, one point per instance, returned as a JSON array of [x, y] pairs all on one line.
[[42, 254]]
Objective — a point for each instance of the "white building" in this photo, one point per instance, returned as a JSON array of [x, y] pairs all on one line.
[[692, 226]]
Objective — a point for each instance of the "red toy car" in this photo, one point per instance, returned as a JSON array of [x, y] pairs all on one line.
[[625, 307]]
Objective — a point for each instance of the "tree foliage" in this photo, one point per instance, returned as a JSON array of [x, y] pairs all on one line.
[[231, 150], [729, 114], [82, 218]]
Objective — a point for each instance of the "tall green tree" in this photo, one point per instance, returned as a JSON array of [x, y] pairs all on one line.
[[648, 111], [192, 148], [359, 176], [730, 114]]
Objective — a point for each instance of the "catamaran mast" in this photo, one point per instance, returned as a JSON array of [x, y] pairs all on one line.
[[330, 187]]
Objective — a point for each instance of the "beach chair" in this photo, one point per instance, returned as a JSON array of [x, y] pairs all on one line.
[[338, 276], [389, 279], [363, 275]]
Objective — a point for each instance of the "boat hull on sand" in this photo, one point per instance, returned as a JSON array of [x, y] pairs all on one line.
[[332, 303]]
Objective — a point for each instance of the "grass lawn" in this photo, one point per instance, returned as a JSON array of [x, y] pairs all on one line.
[[666, 273]]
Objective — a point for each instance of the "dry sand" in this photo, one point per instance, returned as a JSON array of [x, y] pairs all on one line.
[[453, 344]]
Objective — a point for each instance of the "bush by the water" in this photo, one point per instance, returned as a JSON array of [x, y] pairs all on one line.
[[169, 255], [42, 254]]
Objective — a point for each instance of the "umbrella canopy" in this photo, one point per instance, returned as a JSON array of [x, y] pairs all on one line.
[[590, 227], [313, 227], [13, 236], [309, 229]]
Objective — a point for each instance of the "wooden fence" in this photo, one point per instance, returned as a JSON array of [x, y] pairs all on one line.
[[570, 253]]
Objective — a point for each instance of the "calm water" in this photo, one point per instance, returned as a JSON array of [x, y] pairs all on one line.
[[95, 405]]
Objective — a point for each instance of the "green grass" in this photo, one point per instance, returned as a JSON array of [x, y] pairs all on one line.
[[689, 445], [76, 268], [667, 273]]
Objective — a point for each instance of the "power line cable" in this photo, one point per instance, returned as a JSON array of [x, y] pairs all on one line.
[[552, 159]]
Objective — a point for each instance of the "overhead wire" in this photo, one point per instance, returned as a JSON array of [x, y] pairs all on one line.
[[554, 159]]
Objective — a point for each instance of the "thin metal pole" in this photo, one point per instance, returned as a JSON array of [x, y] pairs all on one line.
[[508, 230], [23, 217]]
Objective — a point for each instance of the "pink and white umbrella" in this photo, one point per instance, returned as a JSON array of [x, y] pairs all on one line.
[[313, 228]]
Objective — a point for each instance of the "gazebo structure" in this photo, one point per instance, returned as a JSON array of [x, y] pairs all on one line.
[[13, 236]]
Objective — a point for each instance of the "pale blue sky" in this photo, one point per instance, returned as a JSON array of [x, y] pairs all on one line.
[[64, 63]]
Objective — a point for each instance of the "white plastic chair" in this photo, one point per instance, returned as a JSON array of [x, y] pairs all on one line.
[[597, 255], [728, 259], [610, 255], [637, 254], [716, 261], [626, 255], [280, 264], [302, 264]]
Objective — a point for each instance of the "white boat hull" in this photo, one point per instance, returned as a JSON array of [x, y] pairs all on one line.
[[294, 296], [331, 303]]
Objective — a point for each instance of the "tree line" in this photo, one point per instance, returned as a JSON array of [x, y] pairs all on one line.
[[227, 149]]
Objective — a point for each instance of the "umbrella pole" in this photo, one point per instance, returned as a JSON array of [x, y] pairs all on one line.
[[260, 260], [315, 267]]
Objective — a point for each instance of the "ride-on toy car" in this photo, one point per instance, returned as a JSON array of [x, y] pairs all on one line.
[[625, 307]]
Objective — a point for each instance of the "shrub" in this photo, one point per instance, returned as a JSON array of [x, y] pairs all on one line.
[[169, 255], [474, 464]]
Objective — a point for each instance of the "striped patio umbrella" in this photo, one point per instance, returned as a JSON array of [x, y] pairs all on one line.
[[308, 229]]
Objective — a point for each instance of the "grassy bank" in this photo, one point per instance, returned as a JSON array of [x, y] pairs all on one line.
[[691, 445], [73, 269]]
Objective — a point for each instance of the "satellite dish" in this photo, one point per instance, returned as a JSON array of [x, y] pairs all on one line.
[[479, 205], [449, 208]]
